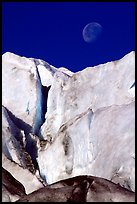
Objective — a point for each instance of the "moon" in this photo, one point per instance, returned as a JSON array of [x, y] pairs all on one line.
[[91, 32]]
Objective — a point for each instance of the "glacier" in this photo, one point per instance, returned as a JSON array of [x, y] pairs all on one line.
[[58, 124]]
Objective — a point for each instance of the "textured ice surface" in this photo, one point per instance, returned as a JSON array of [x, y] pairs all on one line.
[[91, 113], [86, 119]]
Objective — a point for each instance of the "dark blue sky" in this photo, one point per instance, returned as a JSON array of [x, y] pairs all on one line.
[[53, 31]]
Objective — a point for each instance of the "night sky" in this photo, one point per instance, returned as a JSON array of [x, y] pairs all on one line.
[[53, 31]]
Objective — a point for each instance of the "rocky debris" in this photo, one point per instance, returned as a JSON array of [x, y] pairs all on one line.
[[5, 195], [24, 176], [13, 186], [81, 189]]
